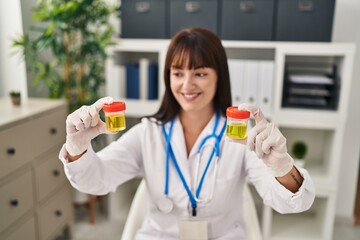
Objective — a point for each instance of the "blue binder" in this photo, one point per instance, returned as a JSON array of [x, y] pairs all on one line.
[[153, 81], [132, 81]]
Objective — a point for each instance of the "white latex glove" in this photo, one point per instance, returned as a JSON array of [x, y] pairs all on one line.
[[268, 143], [83, 125]]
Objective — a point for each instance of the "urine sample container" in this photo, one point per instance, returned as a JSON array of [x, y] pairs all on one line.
[[115, 116], [236, 123]]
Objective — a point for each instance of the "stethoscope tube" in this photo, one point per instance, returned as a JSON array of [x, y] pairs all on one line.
[[198, 162], [167, 165], [216, 150], [172, 155], [194, 197]]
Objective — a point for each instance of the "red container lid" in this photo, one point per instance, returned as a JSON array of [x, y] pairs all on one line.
[[234, 112], [114, 107]]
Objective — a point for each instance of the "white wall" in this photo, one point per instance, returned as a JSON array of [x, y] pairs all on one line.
[[12, 68], [347, 29]]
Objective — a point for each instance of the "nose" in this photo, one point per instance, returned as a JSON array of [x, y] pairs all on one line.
[[188, 81]]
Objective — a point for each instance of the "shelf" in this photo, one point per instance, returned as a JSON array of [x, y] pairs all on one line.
[[320, 155], [249, 44], [258, 203], [307, 225], [322, 180], [316, 49], [295, 227], [319, 144], [138, 45], [130, 54], [140, 108], [322, 130], [309, 118]]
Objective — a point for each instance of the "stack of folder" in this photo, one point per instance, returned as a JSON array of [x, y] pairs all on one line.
[[313, 86], [136, 80], [252, 82]]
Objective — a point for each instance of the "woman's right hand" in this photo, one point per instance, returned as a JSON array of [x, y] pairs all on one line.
[[83, 125]]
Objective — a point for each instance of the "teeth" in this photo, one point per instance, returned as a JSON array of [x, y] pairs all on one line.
[[190, 96]]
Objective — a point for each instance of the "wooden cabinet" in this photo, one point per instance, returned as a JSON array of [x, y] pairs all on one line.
[[35, 198], [54, 213], [24, 231], [17, 198]]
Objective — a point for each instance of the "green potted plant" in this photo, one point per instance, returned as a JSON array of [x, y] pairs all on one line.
[[75, 34], [15, 98], [298, 151]]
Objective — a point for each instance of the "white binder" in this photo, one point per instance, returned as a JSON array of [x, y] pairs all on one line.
[[251, 81], [266, 82], [121, 79], [116, 80], [236, 69], [144, 77]]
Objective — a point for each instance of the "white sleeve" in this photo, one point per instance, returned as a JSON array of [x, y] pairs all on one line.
[[102, 172], [273, 193]]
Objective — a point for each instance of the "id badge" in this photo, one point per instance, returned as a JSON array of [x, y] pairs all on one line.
[[193, 229]]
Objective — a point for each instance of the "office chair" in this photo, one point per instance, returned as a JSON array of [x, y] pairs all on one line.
[[137, 213]]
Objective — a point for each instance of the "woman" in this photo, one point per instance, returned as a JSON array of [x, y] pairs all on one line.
[[164, 150]]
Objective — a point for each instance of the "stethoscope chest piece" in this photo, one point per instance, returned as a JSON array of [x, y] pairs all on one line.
[[165, 205]]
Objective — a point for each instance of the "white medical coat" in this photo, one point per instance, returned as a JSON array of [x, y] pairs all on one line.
[[141, 151]]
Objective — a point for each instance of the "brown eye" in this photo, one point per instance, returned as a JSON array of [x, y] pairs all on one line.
[[176, 74], [201, 74]]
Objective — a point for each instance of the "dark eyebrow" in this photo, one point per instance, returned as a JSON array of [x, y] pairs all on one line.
[[176, 67]]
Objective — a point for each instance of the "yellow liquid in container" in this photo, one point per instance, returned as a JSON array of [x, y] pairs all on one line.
[[115, 123], [236, 131]]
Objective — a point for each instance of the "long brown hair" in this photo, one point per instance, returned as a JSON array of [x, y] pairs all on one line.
[[195, 47]]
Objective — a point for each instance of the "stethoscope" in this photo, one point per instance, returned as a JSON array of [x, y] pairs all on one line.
[[165, 204]]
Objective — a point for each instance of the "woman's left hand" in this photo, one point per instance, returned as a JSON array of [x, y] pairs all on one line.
[[268, 143]]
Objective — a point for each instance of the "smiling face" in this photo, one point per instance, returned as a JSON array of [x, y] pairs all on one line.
[[194, 89], [196, 75]]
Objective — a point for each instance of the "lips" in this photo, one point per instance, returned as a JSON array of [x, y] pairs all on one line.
[[190, 96]]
